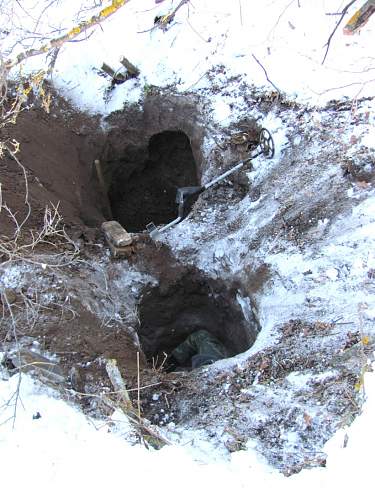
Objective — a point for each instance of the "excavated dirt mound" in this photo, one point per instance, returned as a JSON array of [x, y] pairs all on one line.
[[83, 344], [57, 150]]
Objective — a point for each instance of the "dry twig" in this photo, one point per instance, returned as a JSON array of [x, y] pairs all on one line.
[[163, 21], [126, 406], [343, 12], [138, 389], [266, 74]]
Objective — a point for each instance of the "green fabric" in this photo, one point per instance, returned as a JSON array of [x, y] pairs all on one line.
[[200, 342]]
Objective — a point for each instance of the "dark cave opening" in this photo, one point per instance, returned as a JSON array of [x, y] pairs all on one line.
[[170, 314], [144, 181]]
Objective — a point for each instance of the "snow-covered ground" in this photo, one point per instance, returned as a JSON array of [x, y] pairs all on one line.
[[287, 37], [63, 452]]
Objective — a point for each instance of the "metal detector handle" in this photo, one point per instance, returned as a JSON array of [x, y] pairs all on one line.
[[183, 195], [266, 148]]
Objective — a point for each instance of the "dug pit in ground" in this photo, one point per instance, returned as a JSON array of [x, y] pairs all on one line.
[[144, 180], [169, 314], [86, 312], [145, 155]]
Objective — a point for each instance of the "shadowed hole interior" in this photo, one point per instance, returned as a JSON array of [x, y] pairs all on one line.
[[144, 181], [168, 315]]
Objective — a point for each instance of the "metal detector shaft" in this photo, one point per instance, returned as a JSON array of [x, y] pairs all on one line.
[[267, 148], [182, 193], [227, 173], [164, 228]]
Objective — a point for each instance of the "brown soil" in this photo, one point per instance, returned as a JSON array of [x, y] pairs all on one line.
[[83, 345], [57, 151], [86, 341], [146, 154], [141, 174]]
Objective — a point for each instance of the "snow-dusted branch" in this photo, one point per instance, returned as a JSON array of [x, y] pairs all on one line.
[[360, 18], [69, 36]]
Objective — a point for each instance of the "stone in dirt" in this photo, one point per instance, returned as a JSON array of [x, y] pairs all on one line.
[[118, 239], [116, 234], [8, 295], [27, 360]]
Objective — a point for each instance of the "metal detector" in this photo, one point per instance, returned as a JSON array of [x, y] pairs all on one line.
[[186, 196]]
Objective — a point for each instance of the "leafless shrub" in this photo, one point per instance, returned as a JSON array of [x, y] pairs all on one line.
[[52, 236], [49, 246]]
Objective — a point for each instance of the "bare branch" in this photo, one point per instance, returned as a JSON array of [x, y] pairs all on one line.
[[27, 203], [344, 11], [70, 35], [363, 84], [266, 74], [163, 21], [280, 16]]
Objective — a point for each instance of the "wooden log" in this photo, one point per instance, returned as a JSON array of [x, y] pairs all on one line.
[[116, 76], [360, 18], [99, 174], [132, 70], [119, 385]]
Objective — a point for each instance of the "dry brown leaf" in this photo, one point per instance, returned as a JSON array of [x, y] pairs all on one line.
[[264, 364], [308, 419], [363, 184]]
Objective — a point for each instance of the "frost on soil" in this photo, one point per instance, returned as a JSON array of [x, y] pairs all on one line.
[[303, 251], [295, 234]]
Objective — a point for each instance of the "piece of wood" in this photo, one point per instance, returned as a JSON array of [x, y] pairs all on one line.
[[132, 70], [360, 18], [118, 383], [117, 77], [99, 173], [108, 70], [73, 33], [126, 406]]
